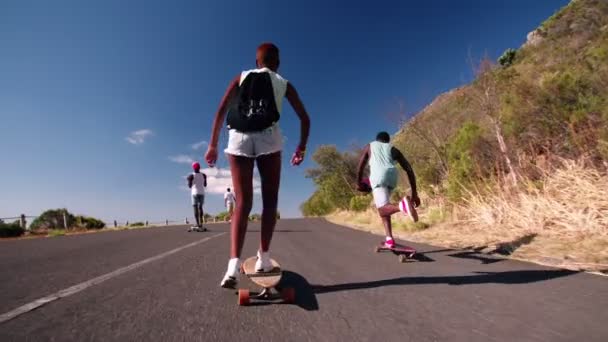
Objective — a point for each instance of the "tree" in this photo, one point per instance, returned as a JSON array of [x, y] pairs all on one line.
[[485, 97], [433, 134], [335, 177]]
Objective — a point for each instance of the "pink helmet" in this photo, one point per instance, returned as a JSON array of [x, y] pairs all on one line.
[[196, 166]]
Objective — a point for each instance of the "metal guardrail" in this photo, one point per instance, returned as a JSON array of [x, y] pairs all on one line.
[[22, 219], [115, 223]]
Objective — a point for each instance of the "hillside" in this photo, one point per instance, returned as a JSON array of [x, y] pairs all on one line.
[[513, 163], [548, 100]]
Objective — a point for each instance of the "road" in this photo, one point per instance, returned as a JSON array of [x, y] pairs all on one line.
[[162, 284]]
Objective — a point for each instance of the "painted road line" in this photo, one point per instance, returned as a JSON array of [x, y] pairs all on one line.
[[92, 282]]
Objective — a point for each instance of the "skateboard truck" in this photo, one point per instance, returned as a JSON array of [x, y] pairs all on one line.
[[268, 281], [270, 294]]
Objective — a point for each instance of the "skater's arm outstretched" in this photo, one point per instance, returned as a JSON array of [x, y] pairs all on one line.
[[362, 162], [398, 156], [298, 107], [211, 156]]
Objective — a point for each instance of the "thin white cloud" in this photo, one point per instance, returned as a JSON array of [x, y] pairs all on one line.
[[198, 145], [219, 179], [139, 137], [181, 159]]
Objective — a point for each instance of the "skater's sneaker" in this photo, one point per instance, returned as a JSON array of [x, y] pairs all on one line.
[[406, 207], [230, 279], [389, 243], [263, 263]]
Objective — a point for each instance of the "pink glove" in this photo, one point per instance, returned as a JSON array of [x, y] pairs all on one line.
[[298, 156]]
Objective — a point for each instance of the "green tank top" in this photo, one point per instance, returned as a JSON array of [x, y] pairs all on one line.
[[383, 172]]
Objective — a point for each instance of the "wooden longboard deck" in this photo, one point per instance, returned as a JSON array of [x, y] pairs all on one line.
[[398, 248], [267, 279]]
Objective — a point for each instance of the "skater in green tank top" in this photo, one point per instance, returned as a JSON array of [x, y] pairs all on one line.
[[383, 177]]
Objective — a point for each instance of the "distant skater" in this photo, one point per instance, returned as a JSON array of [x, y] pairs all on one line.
[[197, 182], [382, 157], [229, 202]]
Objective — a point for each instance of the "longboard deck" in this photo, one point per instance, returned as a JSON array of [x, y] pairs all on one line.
[[266, 279], [398, 248], [404, 252]]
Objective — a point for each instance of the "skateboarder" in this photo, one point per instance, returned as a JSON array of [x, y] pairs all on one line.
[[252, 105], [383, 179], [229, 202], [197, 181]]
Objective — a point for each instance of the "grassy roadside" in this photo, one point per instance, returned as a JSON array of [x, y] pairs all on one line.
[[561, 222]]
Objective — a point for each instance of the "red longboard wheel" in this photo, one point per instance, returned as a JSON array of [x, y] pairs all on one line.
[[243, 297], [289, 295]]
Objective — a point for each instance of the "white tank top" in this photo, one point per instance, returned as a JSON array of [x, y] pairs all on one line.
[[279, 84], [198, 184]]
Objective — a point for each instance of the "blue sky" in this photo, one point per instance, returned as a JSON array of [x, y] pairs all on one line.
[[101, 100]]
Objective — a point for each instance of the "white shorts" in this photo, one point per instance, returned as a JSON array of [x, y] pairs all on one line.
[[382, 196], [255, 144], [229, 206]]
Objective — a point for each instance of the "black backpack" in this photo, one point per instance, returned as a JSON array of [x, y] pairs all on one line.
[[254, 108]]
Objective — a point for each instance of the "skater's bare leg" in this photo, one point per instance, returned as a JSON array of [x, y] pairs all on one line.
[[388, 210], [388, 229], [197, 215], [242, 180], [201, 214], [385, 213], [270, 175]]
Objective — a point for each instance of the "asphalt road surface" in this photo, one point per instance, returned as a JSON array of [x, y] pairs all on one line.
[[162, 284]]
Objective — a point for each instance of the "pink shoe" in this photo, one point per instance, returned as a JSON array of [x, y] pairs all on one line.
[[406, 207], [389, 244]]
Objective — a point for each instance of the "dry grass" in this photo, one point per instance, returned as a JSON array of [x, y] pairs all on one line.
[[560, 221], [572, 200]]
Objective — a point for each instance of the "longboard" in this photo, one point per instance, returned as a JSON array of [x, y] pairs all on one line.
[[404, 252], [267, 281], [197, 229]]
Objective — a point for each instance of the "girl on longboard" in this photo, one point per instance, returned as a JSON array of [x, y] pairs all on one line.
[[252, 106], [382, 157]]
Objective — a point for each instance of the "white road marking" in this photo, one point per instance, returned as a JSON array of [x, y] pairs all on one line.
[[92, 282]]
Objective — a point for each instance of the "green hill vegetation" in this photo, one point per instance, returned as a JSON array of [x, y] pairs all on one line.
[[526, 141]]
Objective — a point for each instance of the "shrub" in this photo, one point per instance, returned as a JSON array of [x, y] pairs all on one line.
[[53, 219], [222, 216], [255, 217], [89, 222], [460, 159], [316, 205], [507, 58], [11, 229], [360, 203], [137, 224]]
